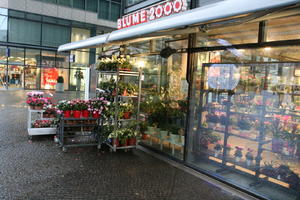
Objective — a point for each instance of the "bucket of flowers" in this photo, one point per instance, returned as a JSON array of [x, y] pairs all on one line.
[[218, 148], [249, 157], [64, 107]]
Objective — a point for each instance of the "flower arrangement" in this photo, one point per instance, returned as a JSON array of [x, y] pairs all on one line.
[[42, 123], [35, 94], [113, 64], [38, 103], [244, 124], [50, 111]]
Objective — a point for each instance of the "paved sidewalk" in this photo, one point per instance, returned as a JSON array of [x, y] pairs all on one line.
[[39, 170]]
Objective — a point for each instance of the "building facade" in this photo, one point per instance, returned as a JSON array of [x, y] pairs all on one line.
[[31, 31], [226, 101]]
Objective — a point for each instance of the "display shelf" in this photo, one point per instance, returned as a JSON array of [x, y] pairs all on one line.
[[79, 138], [38, 131], [117, 123]]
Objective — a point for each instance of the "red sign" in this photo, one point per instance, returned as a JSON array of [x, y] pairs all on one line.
[[49, 77], [157, 11]]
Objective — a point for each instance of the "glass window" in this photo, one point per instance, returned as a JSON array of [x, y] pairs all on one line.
[[31, 69], [22, 31], [16, 56], [3, 28], [54, 35], [48, 59], [164, 103], [50, 1], [62, 60], [77, 83], [65, 2], [245, 119], [131, 2], [115, 11], [3, 11], [92, 5], [3, 58], [103, 9], [240, 34], [14, 13], [79, 4], [286, 28]]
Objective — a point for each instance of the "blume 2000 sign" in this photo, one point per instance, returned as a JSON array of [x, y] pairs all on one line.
[[165, 8]]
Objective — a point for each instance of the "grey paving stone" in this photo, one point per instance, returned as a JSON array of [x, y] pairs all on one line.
[[39, 170]]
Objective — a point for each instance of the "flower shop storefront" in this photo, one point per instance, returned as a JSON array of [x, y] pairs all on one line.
[[225, 99]]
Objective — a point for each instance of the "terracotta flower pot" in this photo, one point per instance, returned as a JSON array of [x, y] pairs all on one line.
[[96, 115], [115, 141], [127, 115], [67, 113], [85, 113], [76, 113], [38, 107], [144, 136], [131, 141]]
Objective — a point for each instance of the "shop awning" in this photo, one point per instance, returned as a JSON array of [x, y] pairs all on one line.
[[222, 9]]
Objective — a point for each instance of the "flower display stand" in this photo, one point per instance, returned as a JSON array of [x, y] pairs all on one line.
[[38, 115], [79, 132], [119, 98]]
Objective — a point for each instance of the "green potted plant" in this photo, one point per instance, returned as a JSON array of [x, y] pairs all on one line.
[[238, 153], [78, 75], [60, 84], [126, 109], [218, 148], [249, 157]]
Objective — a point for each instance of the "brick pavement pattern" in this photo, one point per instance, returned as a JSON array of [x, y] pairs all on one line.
[[39, 170]]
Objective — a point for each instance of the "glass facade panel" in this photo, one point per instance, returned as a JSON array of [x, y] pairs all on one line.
[[50, 1], [79, 4], [31, 70], [54, 35], [65, 2], [103, 12], [132, 2], [92, 5], [3, 11], [240, 34], [164, 102], [3, 58], [16, 56], [286, 28], [76, 83], [22, 31], [115, 11], [245, 119], [3, 28]]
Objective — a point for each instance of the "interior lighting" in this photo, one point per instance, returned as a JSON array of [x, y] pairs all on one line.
[[267, 48], [141, 64]]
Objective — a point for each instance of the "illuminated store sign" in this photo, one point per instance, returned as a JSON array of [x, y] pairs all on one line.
[[157, 11]]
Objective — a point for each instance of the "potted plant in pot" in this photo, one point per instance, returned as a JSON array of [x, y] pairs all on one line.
[[218, 149], [126, 109], [208, 137], [38, 103], [238, 153], [212, 119], [78, 75], [65, 107], [77, 106], [60, 84], [249, 157]]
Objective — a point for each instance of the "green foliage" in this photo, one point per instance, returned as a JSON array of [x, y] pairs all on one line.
[[60, 79], [113, 64]]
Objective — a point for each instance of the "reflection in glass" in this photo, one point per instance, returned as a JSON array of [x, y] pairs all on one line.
[[164, 103], [245, 121], [3, 28]]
